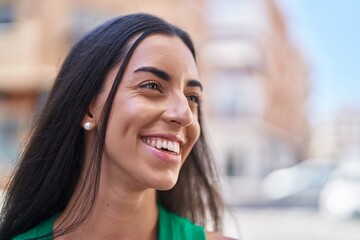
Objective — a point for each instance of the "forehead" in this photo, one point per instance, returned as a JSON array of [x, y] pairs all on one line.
[[168, 53]]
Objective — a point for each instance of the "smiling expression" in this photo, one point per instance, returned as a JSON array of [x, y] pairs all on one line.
[[153, 123]]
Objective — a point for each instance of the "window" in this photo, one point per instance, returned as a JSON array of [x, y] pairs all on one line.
[[236, 93]]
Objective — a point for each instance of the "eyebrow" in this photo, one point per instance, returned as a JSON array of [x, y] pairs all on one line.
[[157, 72], [166, 76], [194, 83]]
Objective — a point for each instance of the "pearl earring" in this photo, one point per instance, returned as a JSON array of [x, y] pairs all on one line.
[[88, 126]]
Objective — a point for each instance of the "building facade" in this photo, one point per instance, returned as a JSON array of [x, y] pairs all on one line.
[[258, 85]]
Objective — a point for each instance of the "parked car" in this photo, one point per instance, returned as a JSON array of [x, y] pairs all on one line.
[[299, 185], [340, 196]]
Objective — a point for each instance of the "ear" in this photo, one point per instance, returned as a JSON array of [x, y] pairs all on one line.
[[89, 121], [93, 113]]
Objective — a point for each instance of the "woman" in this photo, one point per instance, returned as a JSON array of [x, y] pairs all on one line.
[[118, 151]]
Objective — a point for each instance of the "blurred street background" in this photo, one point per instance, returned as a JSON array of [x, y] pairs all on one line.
[[282, 100]]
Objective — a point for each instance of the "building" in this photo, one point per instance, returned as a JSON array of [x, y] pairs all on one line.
[[258, 85], [337, 137]]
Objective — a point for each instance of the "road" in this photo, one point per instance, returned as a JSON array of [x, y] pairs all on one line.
[[288, 224]]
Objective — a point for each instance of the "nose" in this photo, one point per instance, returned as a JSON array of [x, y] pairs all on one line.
[[178, 110]]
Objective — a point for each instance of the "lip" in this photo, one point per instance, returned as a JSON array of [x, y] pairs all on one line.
[[162, 155]]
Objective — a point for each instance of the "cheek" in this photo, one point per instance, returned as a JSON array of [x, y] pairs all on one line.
[[133, 115], [193, 135], [197, 131]]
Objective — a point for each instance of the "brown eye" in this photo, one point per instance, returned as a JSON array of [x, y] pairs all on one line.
[[153, 85], [194, 98]]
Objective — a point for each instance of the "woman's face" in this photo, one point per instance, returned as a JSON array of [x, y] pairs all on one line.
[[153, 123]]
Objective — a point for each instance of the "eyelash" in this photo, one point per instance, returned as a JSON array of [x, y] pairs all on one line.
[[152, 85], [197, 99]]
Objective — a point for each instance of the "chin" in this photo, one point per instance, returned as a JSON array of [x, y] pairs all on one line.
[[165, 188], [165, 184]]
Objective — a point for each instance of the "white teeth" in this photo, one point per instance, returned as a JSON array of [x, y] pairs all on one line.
[[158, 144], [162, 143], [170, 146]]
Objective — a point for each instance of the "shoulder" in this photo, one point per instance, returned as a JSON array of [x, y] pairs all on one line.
[[174, 225], [41, 231], [216, 236], [171, 224]]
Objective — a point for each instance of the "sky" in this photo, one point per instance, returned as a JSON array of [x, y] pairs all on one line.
[[328, 34]]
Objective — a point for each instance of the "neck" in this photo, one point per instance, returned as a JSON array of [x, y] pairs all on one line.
[[117, 214]]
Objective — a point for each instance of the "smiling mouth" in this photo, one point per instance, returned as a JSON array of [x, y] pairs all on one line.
[[162, 144]]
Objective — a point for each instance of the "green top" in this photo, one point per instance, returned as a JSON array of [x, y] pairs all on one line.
[[171, 227]]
